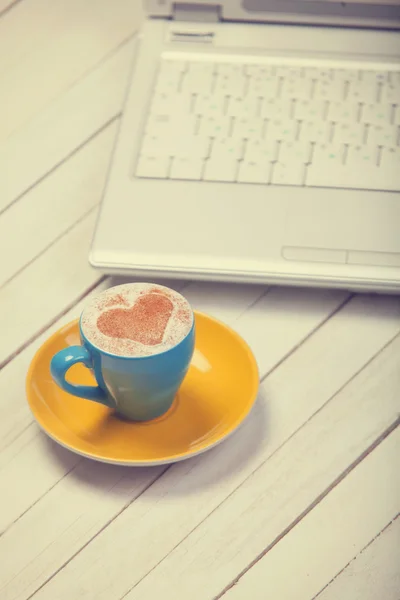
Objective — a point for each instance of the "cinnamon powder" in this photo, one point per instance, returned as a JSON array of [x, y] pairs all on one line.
[[120, 334], [145, 322], [119, 299]]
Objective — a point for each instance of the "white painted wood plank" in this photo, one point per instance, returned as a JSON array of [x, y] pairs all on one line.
[[44, 290], [19, 460], [53, 207], [45, 47], [4, 4], [23, 448], [174, 506], [282, 487], [55, 132], [279, 319], [15, 416], [283, 318], [232, 303], [322, 543], [374, 574]]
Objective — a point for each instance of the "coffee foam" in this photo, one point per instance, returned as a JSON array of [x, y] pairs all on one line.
[[122, 298]]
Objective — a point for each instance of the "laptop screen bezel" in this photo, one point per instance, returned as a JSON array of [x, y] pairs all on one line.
[[369, 13]]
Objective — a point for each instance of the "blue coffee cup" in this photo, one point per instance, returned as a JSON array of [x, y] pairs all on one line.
[[138, 388]]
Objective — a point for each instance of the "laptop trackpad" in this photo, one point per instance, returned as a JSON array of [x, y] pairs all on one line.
[[342, 225]]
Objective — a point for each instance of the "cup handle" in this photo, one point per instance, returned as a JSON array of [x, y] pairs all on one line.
[[66, 358]]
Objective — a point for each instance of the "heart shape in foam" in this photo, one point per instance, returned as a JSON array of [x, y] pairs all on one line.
[[144, 322]]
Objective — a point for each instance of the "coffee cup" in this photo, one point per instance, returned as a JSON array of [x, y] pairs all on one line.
[[138, 340]]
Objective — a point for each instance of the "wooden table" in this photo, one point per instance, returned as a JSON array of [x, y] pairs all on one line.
[[301, 503]]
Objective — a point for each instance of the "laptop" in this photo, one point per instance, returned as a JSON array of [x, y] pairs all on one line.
[[260, 143]]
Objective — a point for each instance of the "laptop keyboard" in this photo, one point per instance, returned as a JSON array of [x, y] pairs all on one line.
[[273, 124]]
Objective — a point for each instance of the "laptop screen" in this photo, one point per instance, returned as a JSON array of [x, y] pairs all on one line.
[[352, 9], [387, 2], [370, 13], [266, 4]]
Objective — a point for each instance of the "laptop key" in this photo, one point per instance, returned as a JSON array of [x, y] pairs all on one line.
[[156, 145], [263, 86], [329, 90], [295, 152], [327, 165], [230, 86], [247, 128], [221, 170], [173, 66], [153, 167], [196, 146], [170, 103], [215, 127], [276, 109], [226, 148], [377, 114], [242, 107], [390, 163], [361, 157], [260, 151], [197, 83], [252, 171], [168, 82], [307, 110], [362, 91], [349, 133], [382, 135], [314, 131], [210, 105], [186, 168], [389, 94], [288, 173], [343, 112]]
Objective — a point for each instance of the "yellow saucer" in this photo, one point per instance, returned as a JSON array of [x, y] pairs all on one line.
[[217, 394]]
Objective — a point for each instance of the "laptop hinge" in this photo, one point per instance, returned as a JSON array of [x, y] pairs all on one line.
[[196, 13]]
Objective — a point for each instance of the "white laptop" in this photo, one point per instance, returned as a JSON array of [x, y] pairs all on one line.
[[259, 143]]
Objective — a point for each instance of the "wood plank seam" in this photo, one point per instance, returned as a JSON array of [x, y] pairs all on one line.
[[54, 320], [61, 162], [210, 513], [355, 374], [42, 496], [264, 293], [319, 499], [336, 310], [362, 456], [83, 75], [106, 57], [307, 337], [357, 555], [21, 449], [10, 7], [14, 439], [123, 508], [46, 248]]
